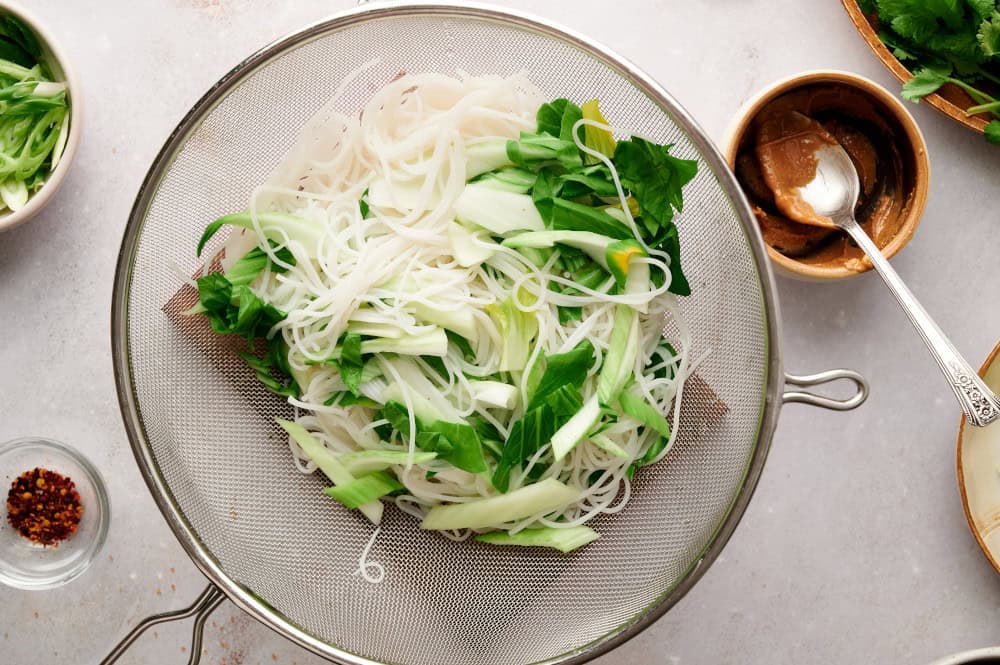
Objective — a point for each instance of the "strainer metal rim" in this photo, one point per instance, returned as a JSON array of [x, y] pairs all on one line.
[[202, 557]]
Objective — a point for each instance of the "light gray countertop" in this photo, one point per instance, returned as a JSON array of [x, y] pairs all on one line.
[[855, 547]]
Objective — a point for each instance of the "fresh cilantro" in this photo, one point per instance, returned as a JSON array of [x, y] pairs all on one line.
[[920, 19], [924, 82], [945, 42], [988, 35], [992, 132]]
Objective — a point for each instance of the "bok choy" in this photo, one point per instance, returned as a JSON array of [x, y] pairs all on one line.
[[468, 309]]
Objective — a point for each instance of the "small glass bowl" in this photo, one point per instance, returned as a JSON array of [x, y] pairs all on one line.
[[26, 565]]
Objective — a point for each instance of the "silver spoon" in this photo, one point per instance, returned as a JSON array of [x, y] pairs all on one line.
[[833, 193]]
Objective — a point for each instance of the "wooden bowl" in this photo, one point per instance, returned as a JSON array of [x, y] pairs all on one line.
[[908, 138], [950, 99], [979, 471]]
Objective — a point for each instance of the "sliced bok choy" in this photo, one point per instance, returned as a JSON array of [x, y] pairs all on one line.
[[328, 464], [537, 499], [363, 462], [565, 540], [364, 490], [496, 210], [461, 293], [576, 428]]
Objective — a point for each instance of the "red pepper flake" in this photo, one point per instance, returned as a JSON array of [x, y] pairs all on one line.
[[44, 506]]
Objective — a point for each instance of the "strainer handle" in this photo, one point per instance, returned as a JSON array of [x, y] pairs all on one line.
[[805, 397], [209, 599]]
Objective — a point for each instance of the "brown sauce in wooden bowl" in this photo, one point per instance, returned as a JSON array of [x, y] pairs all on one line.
[[876, 144]]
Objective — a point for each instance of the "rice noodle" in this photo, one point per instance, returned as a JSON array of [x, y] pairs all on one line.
[[408, 145]]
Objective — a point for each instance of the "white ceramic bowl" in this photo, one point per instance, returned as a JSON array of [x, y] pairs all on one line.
[[987, 656], [979, 471], [61, 70]]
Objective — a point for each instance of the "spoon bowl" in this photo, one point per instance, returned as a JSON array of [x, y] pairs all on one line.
[[833, 192]]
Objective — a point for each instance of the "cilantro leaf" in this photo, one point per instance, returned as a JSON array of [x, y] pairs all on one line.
[[901, 48], [989, 34], [921, 19], [992, 132], [924, 82], [982, 8]]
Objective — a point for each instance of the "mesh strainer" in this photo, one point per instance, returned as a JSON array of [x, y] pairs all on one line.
[[204, 435]]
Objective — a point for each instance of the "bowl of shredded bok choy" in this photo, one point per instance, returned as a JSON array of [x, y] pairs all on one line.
[[39, 116]]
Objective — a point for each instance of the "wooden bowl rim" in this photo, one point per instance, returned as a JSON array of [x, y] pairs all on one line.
[[961, 476], [976, 123]]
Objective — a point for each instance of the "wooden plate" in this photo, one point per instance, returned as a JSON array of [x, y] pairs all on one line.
[[950, 99], [979, 471]]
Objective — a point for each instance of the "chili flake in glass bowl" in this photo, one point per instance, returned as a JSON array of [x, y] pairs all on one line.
[[57, 513]]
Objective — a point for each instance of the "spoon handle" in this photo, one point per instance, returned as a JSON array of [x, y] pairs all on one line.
[[980, 405]]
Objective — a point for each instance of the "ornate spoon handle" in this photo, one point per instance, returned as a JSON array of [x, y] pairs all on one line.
[[980, 405]]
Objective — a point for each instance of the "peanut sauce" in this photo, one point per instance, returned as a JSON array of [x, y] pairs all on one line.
[[787, 143], [767, 168]]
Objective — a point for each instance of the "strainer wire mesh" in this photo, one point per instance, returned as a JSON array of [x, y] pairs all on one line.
[[204, 432]]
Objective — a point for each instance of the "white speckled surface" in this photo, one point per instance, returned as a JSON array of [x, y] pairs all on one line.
[[855, 547]]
